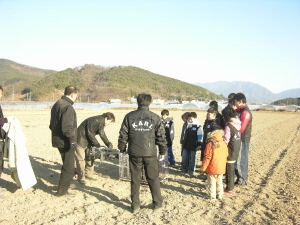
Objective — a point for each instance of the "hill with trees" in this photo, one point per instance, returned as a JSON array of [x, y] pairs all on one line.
[[286, 101], [15, 73], [96, 83]]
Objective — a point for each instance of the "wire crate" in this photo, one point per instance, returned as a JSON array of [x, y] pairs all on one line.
[[124, 171]]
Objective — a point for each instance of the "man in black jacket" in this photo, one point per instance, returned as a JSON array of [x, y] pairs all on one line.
[[87, 131], [169, 129], [230, 96], [143, 130], [63, 126]]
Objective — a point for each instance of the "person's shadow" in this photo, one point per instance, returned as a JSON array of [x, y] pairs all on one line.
[[46, 172], [7, 184]]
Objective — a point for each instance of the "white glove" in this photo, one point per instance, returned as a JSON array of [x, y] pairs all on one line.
[[161, 157]]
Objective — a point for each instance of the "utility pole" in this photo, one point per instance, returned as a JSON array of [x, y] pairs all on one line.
[[13, 94]]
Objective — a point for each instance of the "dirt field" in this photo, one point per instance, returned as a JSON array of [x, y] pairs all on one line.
[[272, 196]]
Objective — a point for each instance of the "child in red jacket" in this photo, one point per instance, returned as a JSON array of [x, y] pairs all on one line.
[[214, 162]]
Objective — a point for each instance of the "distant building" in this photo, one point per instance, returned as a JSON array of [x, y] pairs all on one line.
[[158, 102], [133, 100], [172, 102], [114, 101]]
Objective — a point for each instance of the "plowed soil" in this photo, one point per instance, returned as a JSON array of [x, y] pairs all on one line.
[[271, 197]]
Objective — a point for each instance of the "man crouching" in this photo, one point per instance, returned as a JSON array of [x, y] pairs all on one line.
[[86, 137]]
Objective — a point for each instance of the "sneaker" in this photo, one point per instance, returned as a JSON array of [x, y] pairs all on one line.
[[173, 165], [229, 192], [203, 177], [241, 183], [209, 198], [219, 197]]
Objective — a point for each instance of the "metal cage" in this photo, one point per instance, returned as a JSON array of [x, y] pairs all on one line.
[[124, 171]]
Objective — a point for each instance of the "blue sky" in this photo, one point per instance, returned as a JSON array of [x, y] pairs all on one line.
[[194, 41]]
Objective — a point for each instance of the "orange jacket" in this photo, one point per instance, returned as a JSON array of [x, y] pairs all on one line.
[[215, 154]]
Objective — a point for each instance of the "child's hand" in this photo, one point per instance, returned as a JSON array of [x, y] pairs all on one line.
[[202, 170]]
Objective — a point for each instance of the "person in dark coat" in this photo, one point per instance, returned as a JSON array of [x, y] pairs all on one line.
[[169, 128], [63, 126], [230, 96], [209, 124], [143, 130], [192, 139], [219, 117], [3, 120], [232, 138], [184, 117], [86, 137]]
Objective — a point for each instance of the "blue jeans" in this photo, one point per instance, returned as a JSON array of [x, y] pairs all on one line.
[[188, 156], [171, 156], [241, 166]]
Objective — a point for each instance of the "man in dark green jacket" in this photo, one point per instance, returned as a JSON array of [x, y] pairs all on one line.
[[86, 137]]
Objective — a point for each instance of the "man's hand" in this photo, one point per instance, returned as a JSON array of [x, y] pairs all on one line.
[[198, 148], [73, 146], [123, 150], [97, 145]]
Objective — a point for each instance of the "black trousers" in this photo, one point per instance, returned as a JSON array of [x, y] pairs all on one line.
[[150, 164], [1, 156], [230, 173], [67, 170]]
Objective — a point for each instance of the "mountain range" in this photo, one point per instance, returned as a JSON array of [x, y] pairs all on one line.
[[98, 83], [95, 83], [254, 93]]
